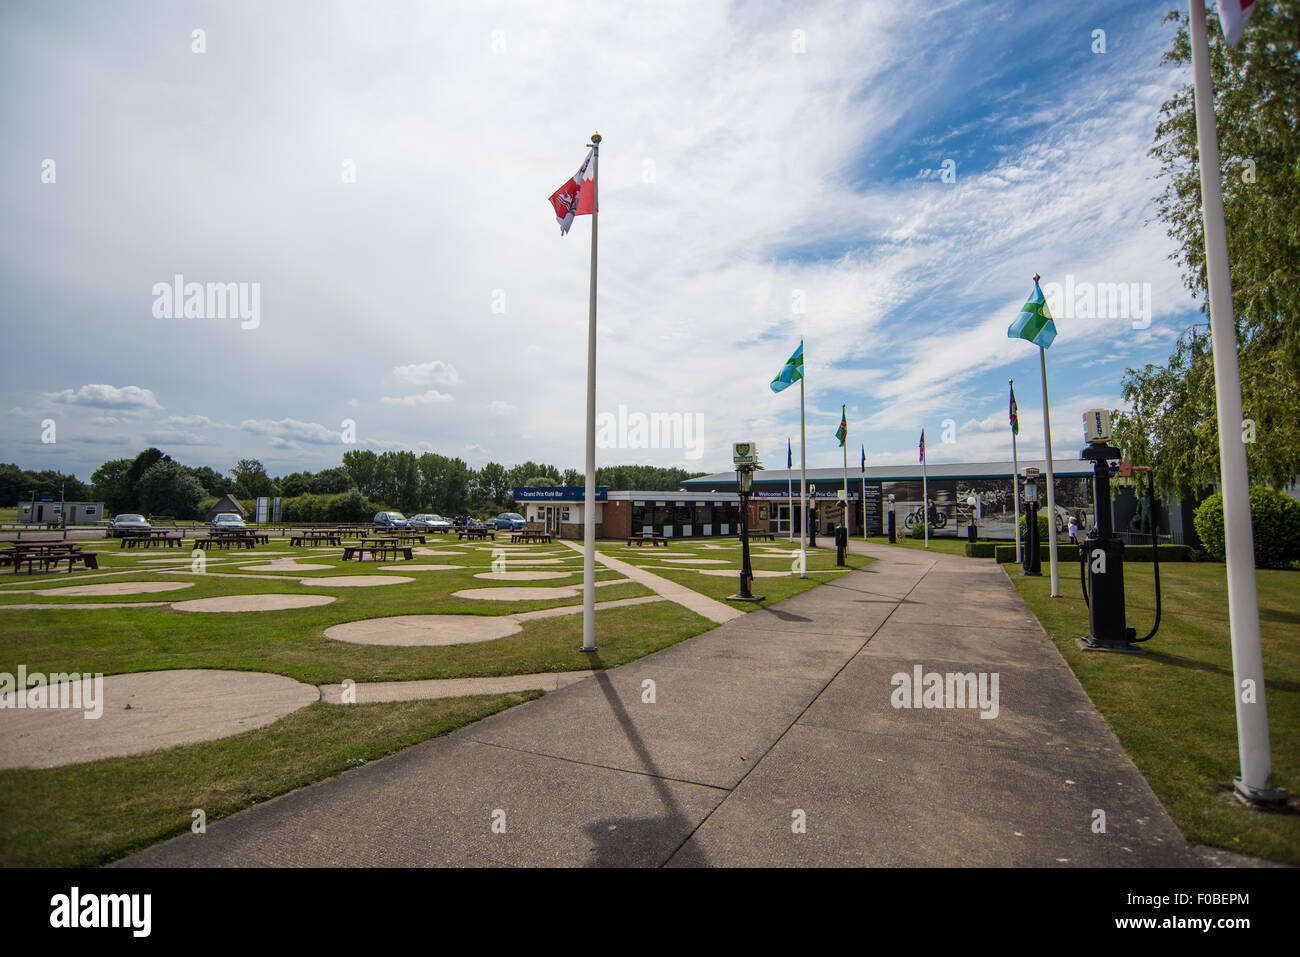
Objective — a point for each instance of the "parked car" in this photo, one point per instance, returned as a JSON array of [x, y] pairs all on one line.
[[509, 521], [389, 521], [127, 525], [430, 523], [223, 520]]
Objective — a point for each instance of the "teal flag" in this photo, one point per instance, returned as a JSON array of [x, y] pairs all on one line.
[[1034, 323], [791, 372]]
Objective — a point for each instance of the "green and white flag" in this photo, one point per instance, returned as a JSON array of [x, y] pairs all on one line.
[[1034, 323], [791, 372], [843, 431]]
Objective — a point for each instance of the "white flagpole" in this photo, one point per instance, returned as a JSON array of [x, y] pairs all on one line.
[[925, 490], [803, 476], [1051, 483], [844, 417], [1256, 781], [589, 501], [1015, 477]]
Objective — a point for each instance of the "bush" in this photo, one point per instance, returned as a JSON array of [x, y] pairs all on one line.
[[349, 506], [918, 530], [1274, 519], [1043, 530], [984, 549]]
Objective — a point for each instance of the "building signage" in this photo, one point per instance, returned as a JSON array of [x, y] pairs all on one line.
[[782, 494], [558, 493], [744, 453]]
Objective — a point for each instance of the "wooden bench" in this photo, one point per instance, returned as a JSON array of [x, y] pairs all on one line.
[[762, 536], [470, 534], [377, 551], [650, 537], [316, 538]]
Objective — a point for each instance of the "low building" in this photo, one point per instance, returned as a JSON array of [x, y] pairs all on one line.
[[620, 514], [227, 503], [46, 511], [898, 487]]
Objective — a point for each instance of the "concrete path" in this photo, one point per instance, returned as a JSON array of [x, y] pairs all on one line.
[[700, 604], [771, 740]]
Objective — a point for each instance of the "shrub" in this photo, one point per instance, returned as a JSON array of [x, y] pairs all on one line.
[[983, 549], [349, 506], [1274, 519], [1043, 531]]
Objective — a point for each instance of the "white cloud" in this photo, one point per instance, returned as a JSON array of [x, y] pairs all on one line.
[[436, 372], [497, 407], [125, 399], [287, 433], [432, 397]]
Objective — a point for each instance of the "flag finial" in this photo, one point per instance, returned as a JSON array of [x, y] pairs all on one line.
[[595, 137], [1037, 277]]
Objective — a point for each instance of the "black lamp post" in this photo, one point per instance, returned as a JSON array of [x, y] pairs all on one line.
[[745, 484]]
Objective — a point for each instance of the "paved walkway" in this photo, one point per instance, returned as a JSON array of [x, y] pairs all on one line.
[[710, 608], [779, 717]]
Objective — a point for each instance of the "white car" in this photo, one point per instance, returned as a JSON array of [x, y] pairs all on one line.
[[227, 520], [429, 522]]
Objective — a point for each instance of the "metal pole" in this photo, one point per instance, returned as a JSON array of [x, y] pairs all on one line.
[[803, 477], [844, 417], [1051, 483], [589, 500], [925, 493], [1256, 781], [1015, 481]]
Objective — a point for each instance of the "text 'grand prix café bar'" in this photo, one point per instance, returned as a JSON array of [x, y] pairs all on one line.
[[710, 505]]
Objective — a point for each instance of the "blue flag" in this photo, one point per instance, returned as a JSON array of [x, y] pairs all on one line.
[[789, 455]]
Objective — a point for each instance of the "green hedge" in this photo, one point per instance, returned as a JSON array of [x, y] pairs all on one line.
[[1274, 518], [983, 549], [1132, 553]]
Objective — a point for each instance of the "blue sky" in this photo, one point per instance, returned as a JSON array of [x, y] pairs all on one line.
[[881, 180]]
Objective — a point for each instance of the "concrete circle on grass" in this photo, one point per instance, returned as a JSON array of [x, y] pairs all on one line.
[[112, 588], [522, 576], [518, 594], [435, 551], [420, 568], [356, 581], [284, 567], [424, 630], [145, 711], [722, 573], [233, 603], [698, 561]]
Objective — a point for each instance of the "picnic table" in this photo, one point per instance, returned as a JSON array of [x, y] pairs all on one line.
[[246, 538], [762, 536], [650, 537], [149, 539], [316, 538], [378, 548], [469, 534], [47, 555]]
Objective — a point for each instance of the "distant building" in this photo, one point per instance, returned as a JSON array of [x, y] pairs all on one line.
[[226, 504], [46, 511]]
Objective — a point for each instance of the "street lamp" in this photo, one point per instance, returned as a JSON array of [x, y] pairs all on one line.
[[745, 485], [971, 530], [1031, 561]]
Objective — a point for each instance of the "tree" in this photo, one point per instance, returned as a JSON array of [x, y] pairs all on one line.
[[491, 486], [109, 485], [250, 475], [1172, 411], [445, 483], [332, 481], [212, 480], [295, 484], [168, 488], [361, 465]]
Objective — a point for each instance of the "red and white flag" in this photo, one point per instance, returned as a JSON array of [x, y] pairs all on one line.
[[1233, 16], [575, 197]]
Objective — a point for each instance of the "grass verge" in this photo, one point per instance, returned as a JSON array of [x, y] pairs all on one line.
[[1173, 708]]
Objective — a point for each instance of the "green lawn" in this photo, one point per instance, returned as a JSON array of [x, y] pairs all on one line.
[[90, 813], [81, 815], [1172, 709]]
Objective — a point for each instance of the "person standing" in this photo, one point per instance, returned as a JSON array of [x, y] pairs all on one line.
[[1074, 530]]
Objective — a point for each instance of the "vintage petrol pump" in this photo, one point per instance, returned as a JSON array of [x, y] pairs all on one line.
[[1030, 563], [1101, 555]]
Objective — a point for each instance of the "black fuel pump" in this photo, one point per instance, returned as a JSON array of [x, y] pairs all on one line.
[[1101, 555]]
